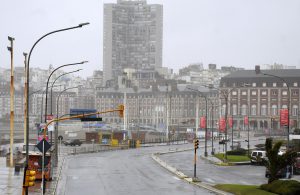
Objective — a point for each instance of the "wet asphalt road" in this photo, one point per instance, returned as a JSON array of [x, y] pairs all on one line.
[[122, 172]]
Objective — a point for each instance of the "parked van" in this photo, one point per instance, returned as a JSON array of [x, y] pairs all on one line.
[[257, 156]]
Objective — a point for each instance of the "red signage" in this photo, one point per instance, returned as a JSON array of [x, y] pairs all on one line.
[[284, 117], [230, 122], [203, 122], [49, 117], [246, 120], [222, 124]]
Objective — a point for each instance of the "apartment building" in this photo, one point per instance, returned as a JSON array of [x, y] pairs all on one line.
[[133, 33], [261, 97]]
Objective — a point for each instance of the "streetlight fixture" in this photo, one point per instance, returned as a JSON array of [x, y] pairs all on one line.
[[46, 102], [12, 94], [205, 97], [51, 94], [27, 78], [56, 126], [225, 94], [258, 71]]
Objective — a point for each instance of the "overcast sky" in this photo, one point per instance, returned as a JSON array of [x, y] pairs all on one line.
[[225, 32]]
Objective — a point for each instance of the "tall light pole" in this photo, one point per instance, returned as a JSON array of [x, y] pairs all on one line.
[[51, 94], [27, 75], [12, 99], [225, 95], [56, 125], [258, 71], [46, 102], [47, 89], [205, 97], [25, 96]]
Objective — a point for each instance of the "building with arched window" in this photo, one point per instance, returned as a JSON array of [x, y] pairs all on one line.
[[264, 95]]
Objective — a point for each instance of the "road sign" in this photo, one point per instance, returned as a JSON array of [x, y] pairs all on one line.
[[91, 119], [51, 126], [47, 146], [46, 161], [60, 137]]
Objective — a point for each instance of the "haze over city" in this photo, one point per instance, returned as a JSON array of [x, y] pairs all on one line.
[[227, 33]]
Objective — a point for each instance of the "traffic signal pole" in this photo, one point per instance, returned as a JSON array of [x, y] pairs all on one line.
[[196, 146]]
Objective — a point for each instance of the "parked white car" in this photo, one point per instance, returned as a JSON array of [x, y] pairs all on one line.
[[257, 156]]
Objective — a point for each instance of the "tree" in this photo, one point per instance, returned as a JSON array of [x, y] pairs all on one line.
[[276, 162]]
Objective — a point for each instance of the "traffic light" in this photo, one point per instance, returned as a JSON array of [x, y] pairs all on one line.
[[196, 144], [121, 110], [30, 178]]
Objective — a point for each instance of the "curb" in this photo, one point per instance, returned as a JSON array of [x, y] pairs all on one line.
[[226, 164], [181, 175]]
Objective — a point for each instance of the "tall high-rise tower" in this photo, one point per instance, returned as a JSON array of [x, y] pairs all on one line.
[[133, 33]]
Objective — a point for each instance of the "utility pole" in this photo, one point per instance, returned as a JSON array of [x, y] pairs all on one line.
[[12, 99], [25, 98], [167, 121]]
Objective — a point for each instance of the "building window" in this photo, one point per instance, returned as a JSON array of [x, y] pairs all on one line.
[[244, 110], [234, 109], [244, 92], [295, 110], [274, 84], [223, 109], [284, 92], [234, 93], [274, 92], [253, 92], [263, 111], [264, 84], [295, 92], [295, 84], [253, 84], [253, 110], [284, 106], [264, 92], [284, 84], [274, 110]]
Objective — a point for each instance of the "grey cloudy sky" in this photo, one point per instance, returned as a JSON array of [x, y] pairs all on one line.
[[226, 32]]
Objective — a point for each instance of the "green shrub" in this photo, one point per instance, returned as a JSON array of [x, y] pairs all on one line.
[[240, 152], [283, 187]]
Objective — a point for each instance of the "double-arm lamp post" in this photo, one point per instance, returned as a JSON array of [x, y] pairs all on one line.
[[258, 71], [27, 81], [205, 97]]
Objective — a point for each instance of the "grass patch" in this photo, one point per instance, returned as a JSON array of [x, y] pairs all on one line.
[[233, 158], [285, 187], [242, 189]]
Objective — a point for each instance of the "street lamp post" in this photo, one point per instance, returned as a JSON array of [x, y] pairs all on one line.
[[51, 94], [46, 102], [51, 88], [56, 125], [225, 95], [27, 78], [12, 94], [258, 71], [205, 97]]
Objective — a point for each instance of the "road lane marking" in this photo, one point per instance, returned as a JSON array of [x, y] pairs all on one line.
[[176, 178]]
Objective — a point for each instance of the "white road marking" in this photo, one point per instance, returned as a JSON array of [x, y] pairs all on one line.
[[176, 178], [209, 180]]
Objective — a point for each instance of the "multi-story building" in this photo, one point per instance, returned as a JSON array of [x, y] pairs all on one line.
[[195, 73], [261, 97], [159, 106], [133, 33]]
